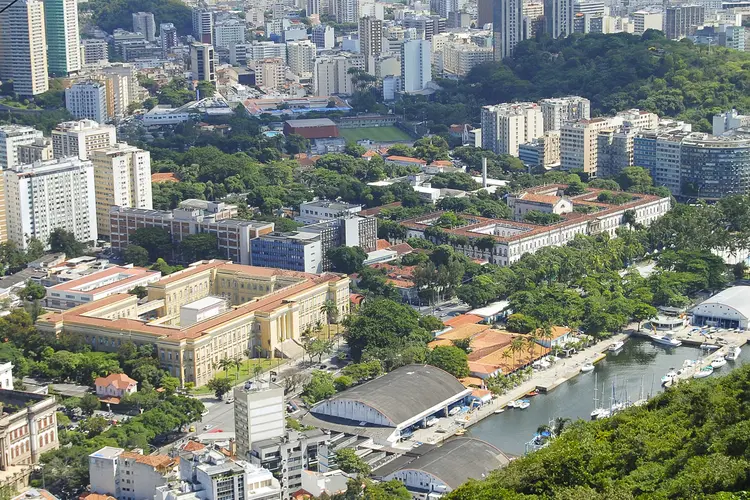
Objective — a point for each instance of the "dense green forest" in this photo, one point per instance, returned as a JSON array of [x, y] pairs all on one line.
[[615, 72], [690, 442], [112, 14]]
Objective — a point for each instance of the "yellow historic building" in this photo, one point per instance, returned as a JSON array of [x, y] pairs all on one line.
[[211, 310]]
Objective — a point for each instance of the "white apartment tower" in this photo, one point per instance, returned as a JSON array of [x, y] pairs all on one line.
[[560, 110], [416, 68], [258, 414], [87, 100], [23, 47], [12, 136], [579, 143], [203, 62], [346, 11], [370, 41], [203, 25], [331, 73], [507, 27], [644, 20], [507, 126], [80, 138], [143, 22], [63, 39], [558, 17], [270, 73], [300, 56], [47, 195], [229, 32]]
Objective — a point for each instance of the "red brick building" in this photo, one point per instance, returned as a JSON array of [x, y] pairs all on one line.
[[318, 128]]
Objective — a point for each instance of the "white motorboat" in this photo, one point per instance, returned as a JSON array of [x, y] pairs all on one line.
[[513, 404], [718, 362], [616, 346], [688, 363], [588, 366], [733, 353], [709, 347], [665, 340], [522, 404], [600, 413], [499, 410], [704, 372], [669, 377], [454, 410]]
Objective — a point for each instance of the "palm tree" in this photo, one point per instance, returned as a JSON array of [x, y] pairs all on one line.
[[225, 364], [506, 355], [257, 370], [331, 311], [237, 364], [545, 333], [516, 346], [560, 424]]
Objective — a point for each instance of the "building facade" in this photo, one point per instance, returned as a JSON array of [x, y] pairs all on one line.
[[127, 474], [507, 25], [331, 73], [81, 138], [28, 428], [558, 16], [23, 47], [680, 21], [416, 67], [370, 41], [97, 285], [94, 51], [295, 251], [259, 413], [560, 110], [713, 167], [63, 39], [579, 144], [167, 38], [87, 100], [228, 32], [506, 126], [143, 22], [203, 62], [300, 56]]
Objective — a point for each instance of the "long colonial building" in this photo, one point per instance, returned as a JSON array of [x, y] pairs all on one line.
[[210, 311], [504, 241]]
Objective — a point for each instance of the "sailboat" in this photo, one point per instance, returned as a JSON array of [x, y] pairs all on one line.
[[598, 411]]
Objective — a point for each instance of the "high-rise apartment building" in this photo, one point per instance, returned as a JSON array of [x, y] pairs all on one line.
[[122, 87], [259, 412], [122, 178], [558, 16], [23, 47], [47, 195], [127, 474], [63, 39], [300, 56], [506, 126], [714, 167], [346, 11], [533, 19], [167, 38], [460, 58], [507, 27], [39, 150], [270, 73], [203, 25], [143, 22], [313, 8], [645, 20], [203, 62], [559, 110], [370, 41], [416, 66], [94, 51], [614, 151], [659, 152], [331, 73], [228, 32], [323, 37], [425, 26], [87, 100], [12, 136], [680, 21], [80, 138], [579, 143]]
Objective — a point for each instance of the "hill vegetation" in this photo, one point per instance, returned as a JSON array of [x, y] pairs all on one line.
[[112, 14]]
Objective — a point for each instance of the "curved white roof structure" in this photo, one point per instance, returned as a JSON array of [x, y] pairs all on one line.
[[732, 304]]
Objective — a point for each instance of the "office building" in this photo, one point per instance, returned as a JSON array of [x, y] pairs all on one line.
[[269, 73], [714, 167], [346, 11], [312, 212], [39, 150], [270, 308], [80, 138], [559, 110], [63, 39], [323, 37], [259, 413], [167, 38], [331, 73], [645, 20], [129, 474], [416, 67], [28, 429], [122, 178], [558, 16], [23, 47], [507, 126], [507, 27], [228, 32], [203, 25], [191, 217], [87, 100], [203, 62], [484, 12], [300, 57], [295, 251], [579, 143], [370, 41], [12, 136], [48, 195], [95, 51], [143, 22], [460, 58], [680, 21]]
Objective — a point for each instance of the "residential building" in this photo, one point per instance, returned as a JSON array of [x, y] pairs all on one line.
[[300, 57], [12, 136], [425, 26], [203, 62], [295, 251], [729, 120], [228, 32], [735, 37], [681, 20], [558, 16], [94, 51], [143, 22], [313, 8], [635, 119], [506, 126], [63, 39], [579, 146], [714, 167], [507, 27], [167, 38], [265, 50], [370, 41], [81, 138], [129, 474], [323, 37], [331, 73], [614, 151], [460, 58], [541, 152], [97, 285], [659, 151], [416, 68], [47, 195], [192, 217], [203, 25], [270, 308], [115, 387], [346, 11], [122, 87], [533, 19], [122, 178], [559, 110], [270, 73], [345, 231], [40, 149], [259, 413], [87, 100], [23, 47], [646, 20], [6, 376]]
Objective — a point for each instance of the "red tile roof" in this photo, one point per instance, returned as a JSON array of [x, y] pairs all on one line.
[[119, 380], [406, 159], [164, 177]]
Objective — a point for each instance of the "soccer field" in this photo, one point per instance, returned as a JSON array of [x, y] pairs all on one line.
[[377, 134]]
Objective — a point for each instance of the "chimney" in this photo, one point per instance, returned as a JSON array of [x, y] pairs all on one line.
[[484, 171]]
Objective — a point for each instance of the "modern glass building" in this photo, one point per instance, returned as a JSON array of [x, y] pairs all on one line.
[[63, 40]]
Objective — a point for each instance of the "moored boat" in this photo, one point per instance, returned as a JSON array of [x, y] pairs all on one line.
[[718, 362], [704, 372], [665, 340], [733, 353], [669, 377], [616, 346], [588, 366]]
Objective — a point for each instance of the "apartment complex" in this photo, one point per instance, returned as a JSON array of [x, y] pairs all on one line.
[[300, 56], [167, 38], [203, 25], [81, 138], [713, 167], [87, 100], [270, 73], [47, 195], [270, 308], [346, 11], [615, 151], [331, 73], [143, 22], [506, 126], [203, 62], [460, 58], [646, 20], [23, 47], [370, 41], [229, 32], [129, 474], [63, 39], [122, 178], [416, 67], [507, 26], [560, 110], [259, 411], [323, 37], [12, 136], [659, 151], [39, 150], [94, 51], [579, 144], [558, 16], [681, 20]]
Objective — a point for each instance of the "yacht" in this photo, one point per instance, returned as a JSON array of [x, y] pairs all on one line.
[[704, 372], [709, 347], [669, 377], [665, 340], [718, 362], [588, 366], [733, 353], [600, 413], [616, 346]]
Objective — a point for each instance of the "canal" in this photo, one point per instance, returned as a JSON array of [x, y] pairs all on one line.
[[636, 369]]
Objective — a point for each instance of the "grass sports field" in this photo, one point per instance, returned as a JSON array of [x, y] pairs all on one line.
[[376, 134]]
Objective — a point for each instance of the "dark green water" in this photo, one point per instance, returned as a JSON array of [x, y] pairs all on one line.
[[640, 363]]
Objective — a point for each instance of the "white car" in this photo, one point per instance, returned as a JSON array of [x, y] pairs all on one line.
[[207, 427]]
